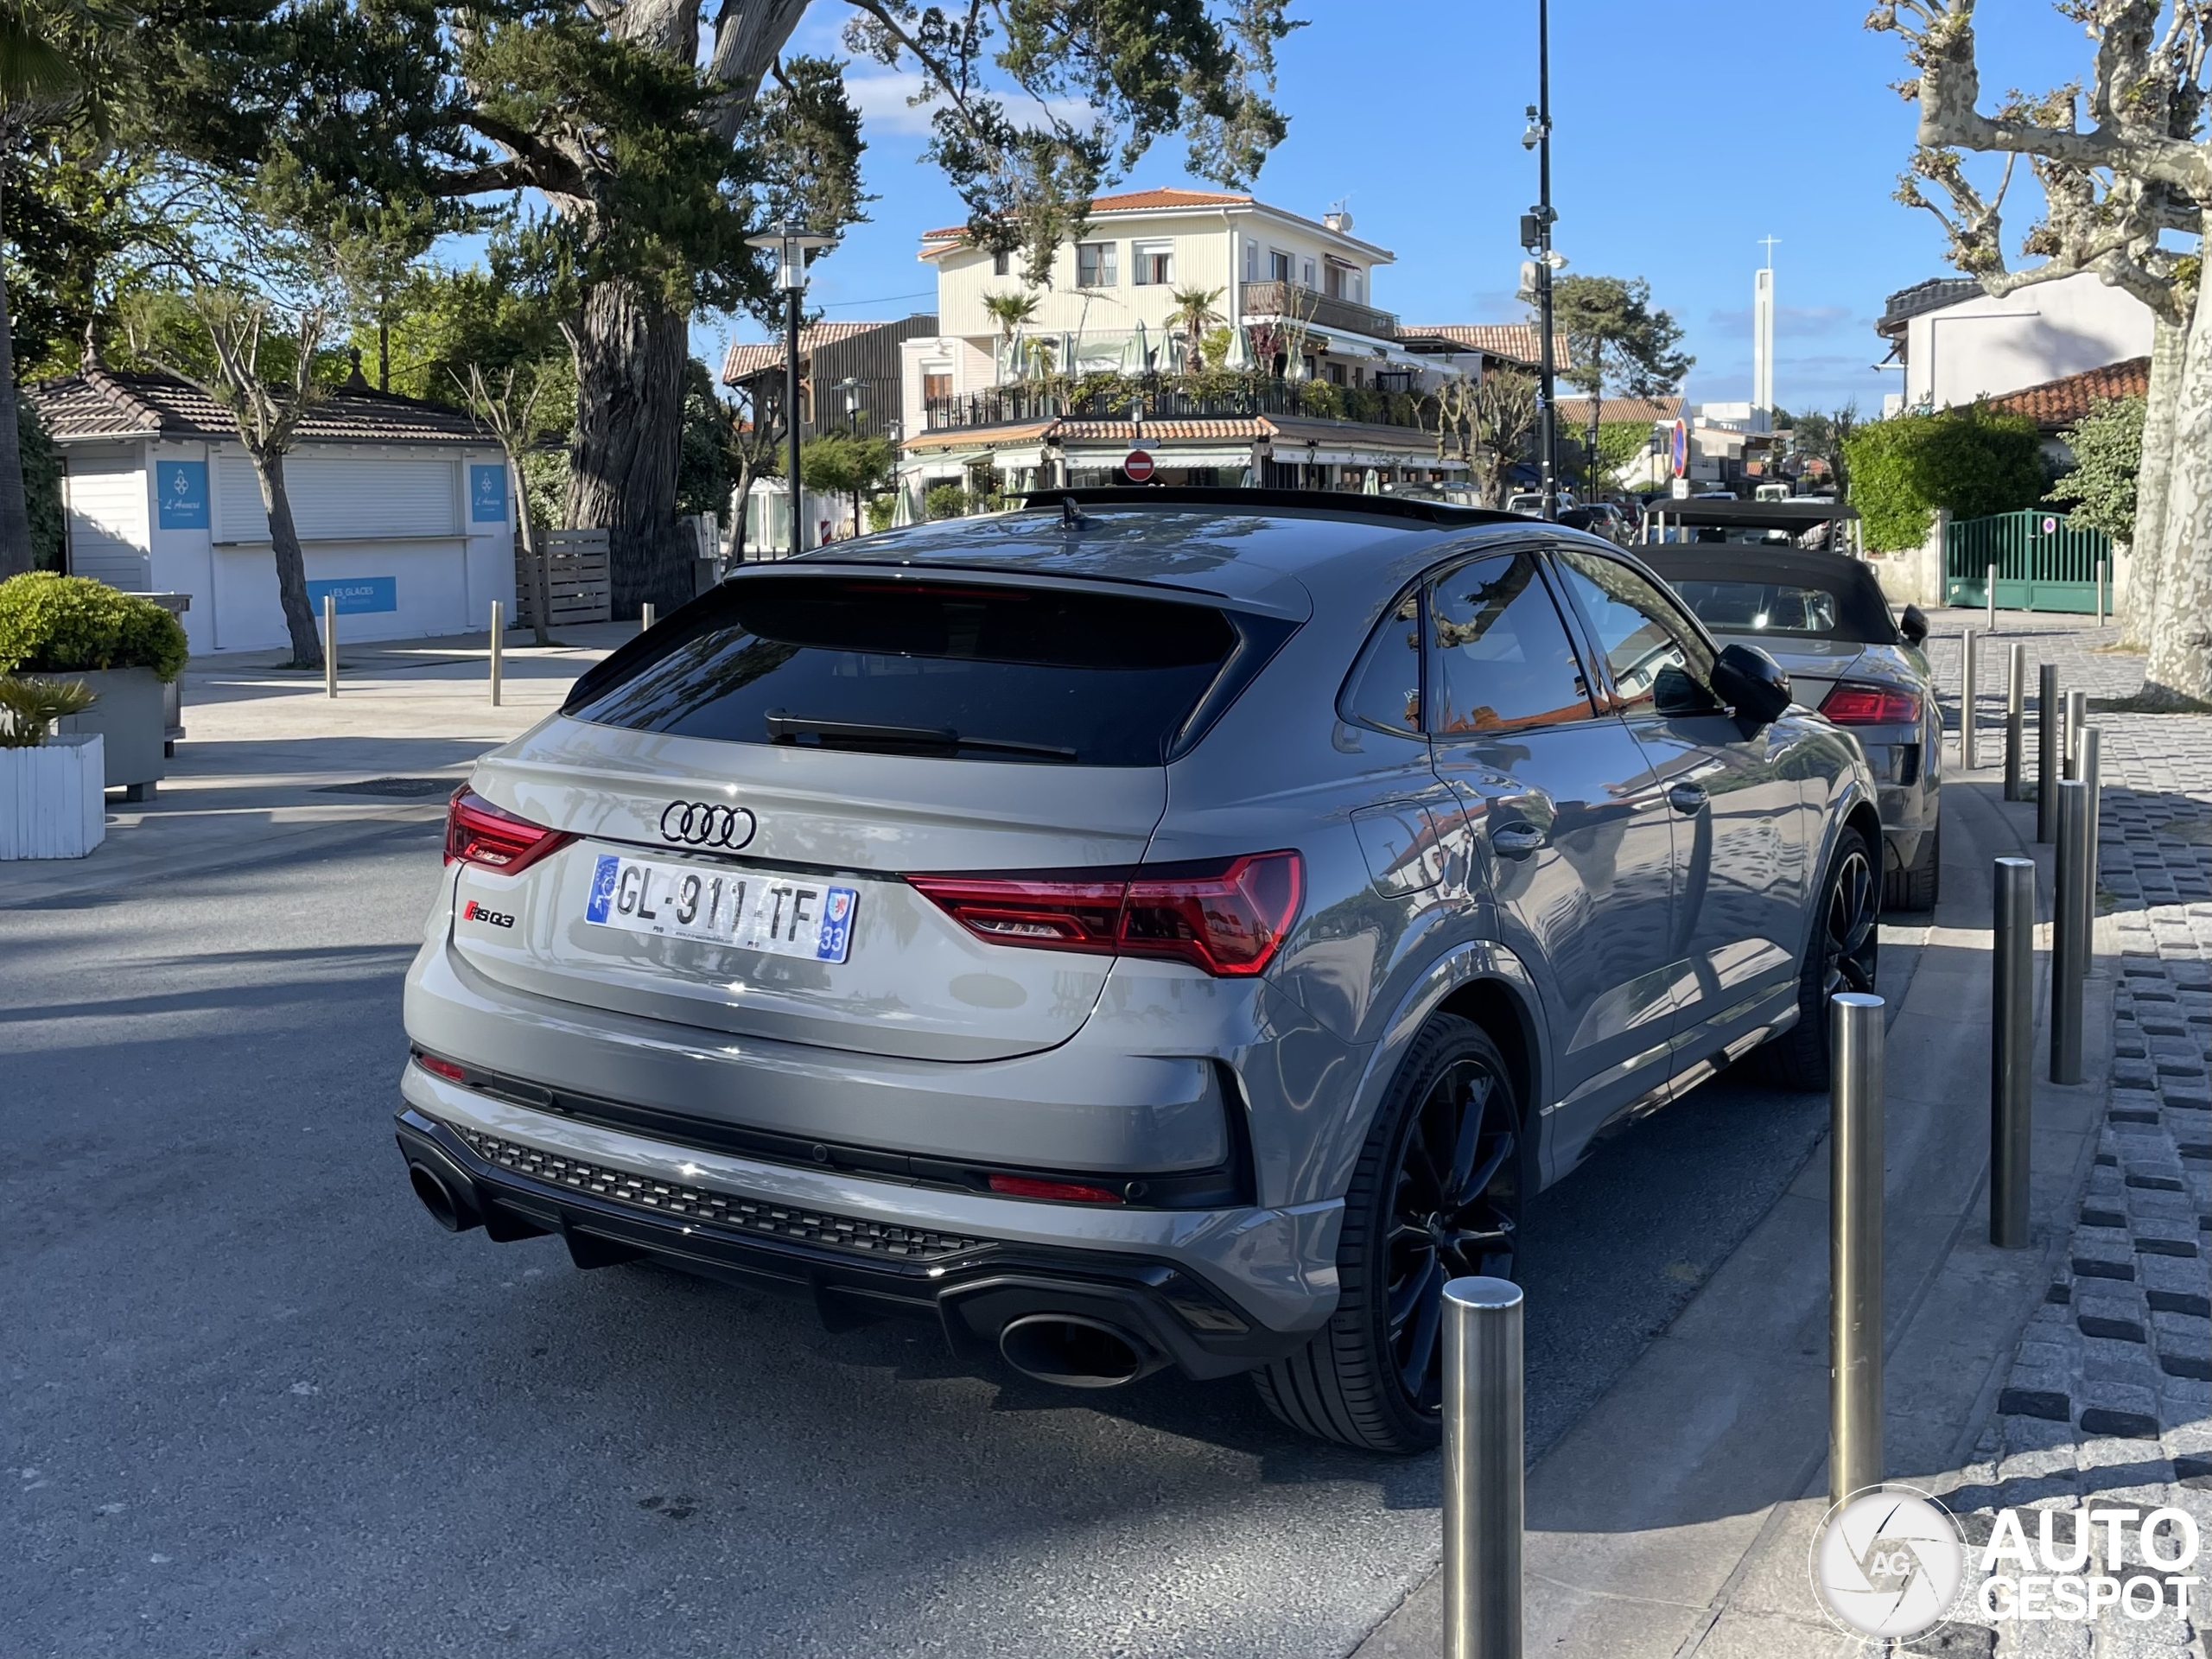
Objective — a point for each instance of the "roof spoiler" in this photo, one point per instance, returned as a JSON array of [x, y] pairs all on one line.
[[1341, 504]]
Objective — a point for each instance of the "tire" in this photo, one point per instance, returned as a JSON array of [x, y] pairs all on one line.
[[1914, 886], [1367, 1379], [1842, 955]]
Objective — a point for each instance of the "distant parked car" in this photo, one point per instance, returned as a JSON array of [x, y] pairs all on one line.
[[1531, 502], [1601, 519], [1822, 616]]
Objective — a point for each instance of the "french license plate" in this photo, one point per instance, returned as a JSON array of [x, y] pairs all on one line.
[[758, 913]]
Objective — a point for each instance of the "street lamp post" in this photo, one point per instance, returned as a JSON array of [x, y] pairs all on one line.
[[1539, 138], [791, 245]]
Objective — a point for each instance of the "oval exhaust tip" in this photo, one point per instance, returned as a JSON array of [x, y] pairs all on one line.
[[438, 1198], [1074, 1352]]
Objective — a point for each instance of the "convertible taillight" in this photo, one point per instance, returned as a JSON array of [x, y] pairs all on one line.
[[478, 832], [1227, 919], [1855, 702]]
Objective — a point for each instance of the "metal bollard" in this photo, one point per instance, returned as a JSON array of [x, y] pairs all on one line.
[[2015, 693], [2070, 734], [1854, 1244], [2100, 592], [1482, 1469], [1969, 687], [1992, 592], [497, 636], [644, 618], [2068, 951], [2046, 752], [2085, 767], [330, 645], [2012, 1052]]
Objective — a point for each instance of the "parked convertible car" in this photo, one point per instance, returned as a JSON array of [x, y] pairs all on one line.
[[1824, 617], [1163, 927]]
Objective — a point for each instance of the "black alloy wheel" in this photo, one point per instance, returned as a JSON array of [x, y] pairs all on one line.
[[1842, 954], [1436, 1195], [1456, 1211]]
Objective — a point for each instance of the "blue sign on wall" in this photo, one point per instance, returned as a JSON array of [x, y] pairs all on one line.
[[357, 595], [180, 489], [487, 495]]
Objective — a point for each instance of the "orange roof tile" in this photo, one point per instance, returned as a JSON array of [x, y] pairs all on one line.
[[1130, 201], [1575, 411], [749, 358], [2058, 404], [1517, 341]]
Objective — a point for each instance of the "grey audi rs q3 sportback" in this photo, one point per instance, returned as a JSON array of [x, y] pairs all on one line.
[[1158, 927]]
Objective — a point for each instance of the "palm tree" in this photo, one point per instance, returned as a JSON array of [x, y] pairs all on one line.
[[1010, 311], [1195, 315]]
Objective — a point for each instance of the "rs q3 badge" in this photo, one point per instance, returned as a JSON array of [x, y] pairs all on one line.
[[705, 823]]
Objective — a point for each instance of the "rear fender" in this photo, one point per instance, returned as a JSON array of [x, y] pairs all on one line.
[[1475, 964]]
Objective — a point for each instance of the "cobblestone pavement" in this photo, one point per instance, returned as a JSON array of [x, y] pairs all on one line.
[[2109, 1397]]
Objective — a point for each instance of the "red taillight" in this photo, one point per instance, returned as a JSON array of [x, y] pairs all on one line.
[[478, 832], [1854, 703], [1027, 1186], [445, 1069], [1227, 920]]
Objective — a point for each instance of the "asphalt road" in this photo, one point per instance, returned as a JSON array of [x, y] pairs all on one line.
[[256, 1403]]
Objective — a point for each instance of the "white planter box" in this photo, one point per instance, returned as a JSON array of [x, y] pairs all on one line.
[[53, 799]]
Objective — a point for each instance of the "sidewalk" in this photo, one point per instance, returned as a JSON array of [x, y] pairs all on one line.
[[1676, 1519], [267, 758]]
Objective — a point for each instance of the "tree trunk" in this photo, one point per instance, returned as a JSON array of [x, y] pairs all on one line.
[[291, 563], [2179, 672], [15, 553], [533, 559], [630, 351], [2146, 547]]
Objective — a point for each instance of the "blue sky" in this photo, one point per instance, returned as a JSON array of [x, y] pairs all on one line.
[[1684, 135]]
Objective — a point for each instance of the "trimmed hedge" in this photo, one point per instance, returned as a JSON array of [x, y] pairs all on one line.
[[62, 625], [1973, 461]]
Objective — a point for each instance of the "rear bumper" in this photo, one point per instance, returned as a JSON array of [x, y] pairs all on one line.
[[1214, 1292]]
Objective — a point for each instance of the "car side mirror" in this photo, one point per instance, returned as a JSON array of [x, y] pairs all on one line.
[[1753, 682], [1913, 625]]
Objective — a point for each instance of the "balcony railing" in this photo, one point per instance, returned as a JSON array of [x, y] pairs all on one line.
[[1171, 397], [1317, 310]]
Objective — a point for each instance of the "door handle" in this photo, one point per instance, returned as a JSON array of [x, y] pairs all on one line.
[[1516, 840], [1688, 799]]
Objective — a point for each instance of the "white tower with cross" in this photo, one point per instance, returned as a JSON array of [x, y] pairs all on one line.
[[1763, 342]]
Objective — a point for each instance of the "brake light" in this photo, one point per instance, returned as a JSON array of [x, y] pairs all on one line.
[[1026, 1186], [478, 832], [1854, 703], [1227, 920], [445, 1069]]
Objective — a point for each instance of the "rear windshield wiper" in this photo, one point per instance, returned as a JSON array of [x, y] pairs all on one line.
[[785, 728]]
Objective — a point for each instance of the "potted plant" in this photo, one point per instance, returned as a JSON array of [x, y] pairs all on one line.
[[123, 646], [52, 789]]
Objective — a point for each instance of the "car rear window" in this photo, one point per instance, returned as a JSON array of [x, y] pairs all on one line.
[[1747, 596], [972, 673]]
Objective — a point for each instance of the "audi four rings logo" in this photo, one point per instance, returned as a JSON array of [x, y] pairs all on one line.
[[702, 823]]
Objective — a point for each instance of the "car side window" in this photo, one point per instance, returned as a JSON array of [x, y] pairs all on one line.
[[1384, 689], [1658, 661], [1500, 658]]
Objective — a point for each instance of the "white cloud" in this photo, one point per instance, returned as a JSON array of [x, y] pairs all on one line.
[[881, 99]]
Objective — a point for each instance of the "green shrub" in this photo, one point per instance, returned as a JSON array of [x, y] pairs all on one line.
[[880, 512], [945, 501], [60, 625], [2107, 446], [28, 708], [1973, 460]]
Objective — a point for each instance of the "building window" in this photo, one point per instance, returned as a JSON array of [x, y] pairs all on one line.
[[1251, 260], [1336, 291], [1002, 261], [1152, 263], [936, 385], [1306, 273], [1357, 285], [1336, 374], [1094, 264], [1278, 265]]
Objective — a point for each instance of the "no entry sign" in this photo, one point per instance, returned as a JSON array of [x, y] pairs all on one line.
[[1137, 467]]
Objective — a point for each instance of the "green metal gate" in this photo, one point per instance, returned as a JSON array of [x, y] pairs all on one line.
[[2042, 563]]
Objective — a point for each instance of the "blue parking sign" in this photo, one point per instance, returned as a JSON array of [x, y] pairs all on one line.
[[487, 495], [180, 491]]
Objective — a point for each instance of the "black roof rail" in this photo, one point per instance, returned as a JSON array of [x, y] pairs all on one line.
[[1342, 503]]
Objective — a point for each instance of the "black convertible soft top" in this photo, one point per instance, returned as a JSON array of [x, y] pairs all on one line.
[[1861, 609]]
